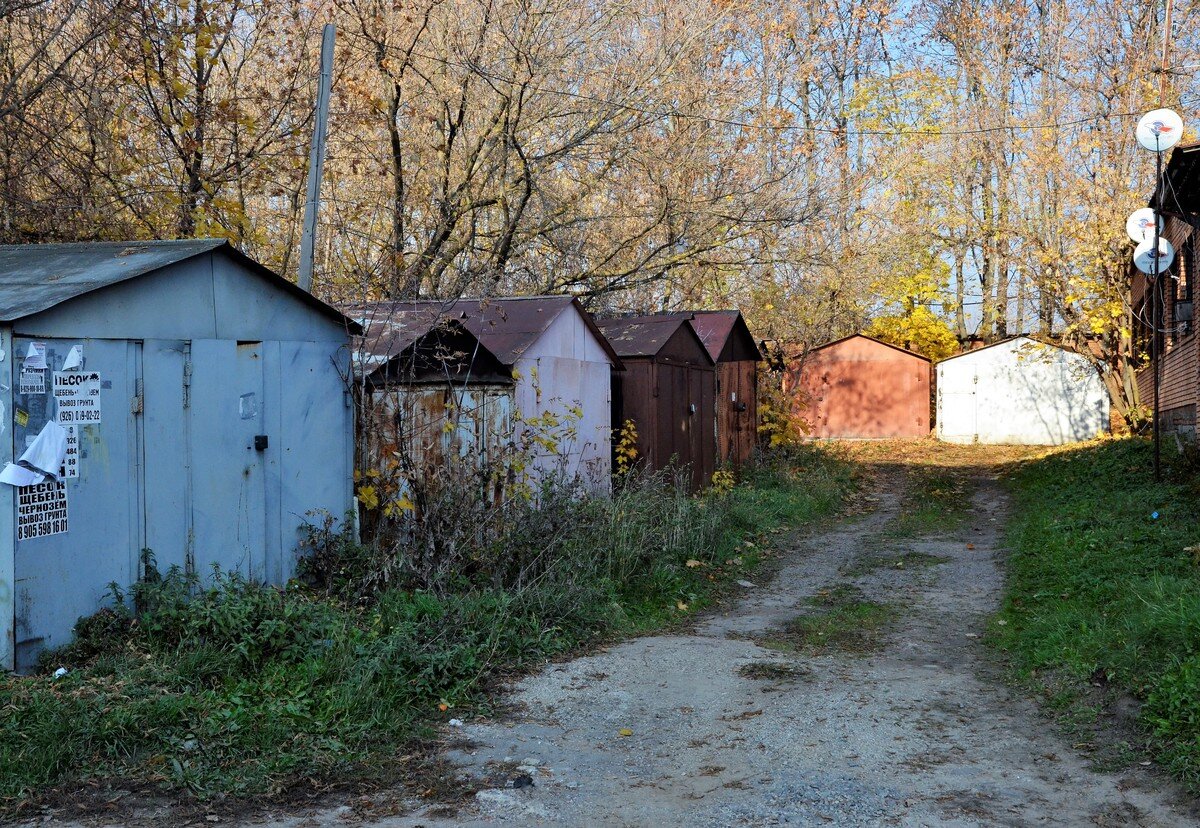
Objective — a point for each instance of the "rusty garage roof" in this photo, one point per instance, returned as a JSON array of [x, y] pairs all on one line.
[[717, 327], [413, 344], [507, 326], [390, 327], [645, 336]]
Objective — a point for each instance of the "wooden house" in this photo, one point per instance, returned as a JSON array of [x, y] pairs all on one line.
[[668, 390], [1176, 339]]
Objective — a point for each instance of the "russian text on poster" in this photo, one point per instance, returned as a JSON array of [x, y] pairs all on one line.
[[35, 357], [77, 394], [70, 463], [41, 510], [32, 381]]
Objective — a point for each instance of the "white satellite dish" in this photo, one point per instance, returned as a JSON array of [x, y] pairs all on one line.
[[1159, 130], [1144, 256], [1140, 224]]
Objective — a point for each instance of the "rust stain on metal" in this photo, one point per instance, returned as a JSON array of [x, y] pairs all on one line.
[[507, 326], [433, 427]]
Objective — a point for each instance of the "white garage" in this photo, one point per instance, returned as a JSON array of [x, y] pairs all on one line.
[[1020, 392]]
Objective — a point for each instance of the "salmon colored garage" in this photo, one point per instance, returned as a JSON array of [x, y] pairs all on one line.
[[861, 388]]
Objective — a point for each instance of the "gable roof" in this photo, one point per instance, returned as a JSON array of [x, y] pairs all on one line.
[[717, 327], [645, 336], [409, 347], [507, 327], [389, 331], [37, 277], [877, 342], [1009, 341], [1181, 180]]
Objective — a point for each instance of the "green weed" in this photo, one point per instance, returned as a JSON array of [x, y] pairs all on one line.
[[903, 560], [844, 622], [937, 501], [772, 671], [1102, 583]]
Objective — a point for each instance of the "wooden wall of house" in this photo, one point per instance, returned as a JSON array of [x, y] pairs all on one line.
[[1179, 383], [1179, 373]]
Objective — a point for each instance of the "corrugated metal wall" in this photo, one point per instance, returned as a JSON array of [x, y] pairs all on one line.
[[434, 425]]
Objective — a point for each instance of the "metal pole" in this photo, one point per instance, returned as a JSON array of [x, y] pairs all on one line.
[[316, 160], [1156, 313]]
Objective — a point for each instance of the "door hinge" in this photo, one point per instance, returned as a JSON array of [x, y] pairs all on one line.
[[135, 405], [187, 384]]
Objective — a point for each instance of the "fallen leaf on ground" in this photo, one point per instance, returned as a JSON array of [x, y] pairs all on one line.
[[624, 732]]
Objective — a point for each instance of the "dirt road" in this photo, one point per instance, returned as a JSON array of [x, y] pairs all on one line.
[[880, 706]]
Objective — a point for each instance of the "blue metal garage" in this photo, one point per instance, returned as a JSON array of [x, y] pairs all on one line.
[[205, 414]]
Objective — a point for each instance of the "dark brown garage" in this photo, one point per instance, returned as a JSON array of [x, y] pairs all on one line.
[[668, 389], [731, 345]]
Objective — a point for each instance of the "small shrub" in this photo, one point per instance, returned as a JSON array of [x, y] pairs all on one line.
[[625, 450]]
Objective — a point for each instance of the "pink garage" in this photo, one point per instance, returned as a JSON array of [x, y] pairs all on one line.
[[861, 388]]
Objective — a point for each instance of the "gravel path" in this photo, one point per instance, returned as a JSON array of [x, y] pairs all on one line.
[[664, 730]]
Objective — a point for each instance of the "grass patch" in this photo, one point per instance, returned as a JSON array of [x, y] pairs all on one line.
[[904, 560], [937, 501], [842, 621], [771, 671], [231, 688], [1102, 593]]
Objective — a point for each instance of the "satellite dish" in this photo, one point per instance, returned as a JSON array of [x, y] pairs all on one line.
[[1159, 130], [1144, 256], [1140, 224]]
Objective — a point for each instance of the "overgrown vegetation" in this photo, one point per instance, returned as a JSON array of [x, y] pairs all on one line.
[[1104, 589], [227, 686], [775, 671]]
